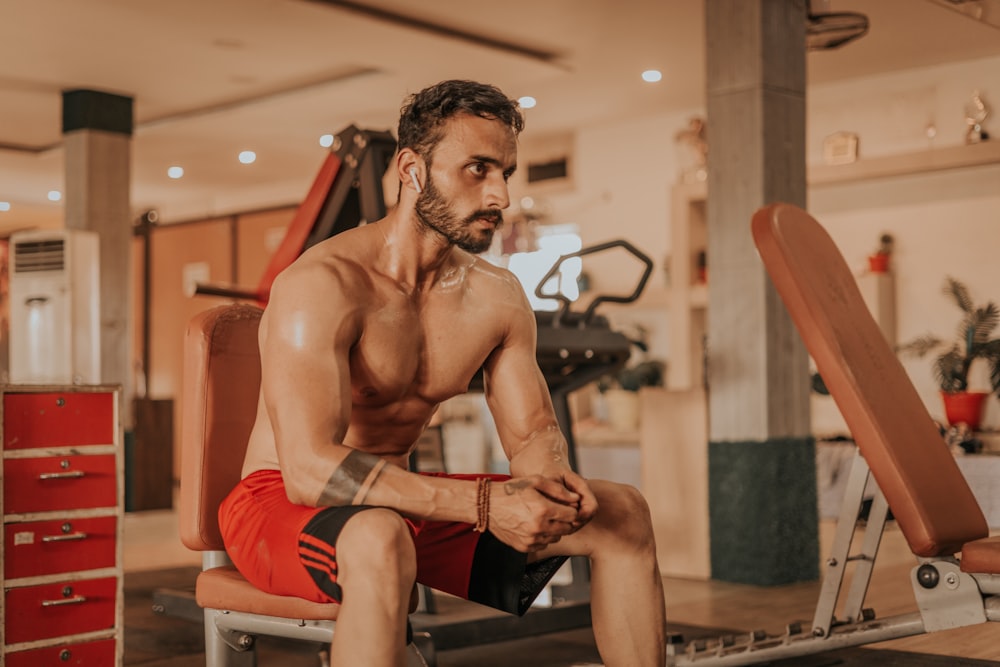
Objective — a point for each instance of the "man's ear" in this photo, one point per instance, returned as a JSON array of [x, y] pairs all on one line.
[[411, 170]]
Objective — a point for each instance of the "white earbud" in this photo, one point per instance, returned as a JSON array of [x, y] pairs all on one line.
[[416, 181]]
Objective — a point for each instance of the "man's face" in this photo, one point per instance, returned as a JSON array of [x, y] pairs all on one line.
[[465, 190]]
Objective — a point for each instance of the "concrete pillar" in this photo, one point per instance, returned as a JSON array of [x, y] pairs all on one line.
[[762, 480], [97, 136]]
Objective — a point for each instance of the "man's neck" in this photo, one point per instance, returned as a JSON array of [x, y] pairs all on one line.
[[414, 256]]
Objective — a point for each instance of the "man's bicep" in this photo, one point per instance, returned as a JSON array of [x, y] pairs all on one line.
[[305, 378]]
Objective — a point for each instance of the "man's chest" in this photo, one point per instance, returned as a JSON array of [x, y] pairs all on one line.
[[432, 354]]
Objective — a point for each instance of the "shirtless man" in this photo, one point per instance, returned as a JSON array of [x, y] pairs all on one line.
[[363, 337]]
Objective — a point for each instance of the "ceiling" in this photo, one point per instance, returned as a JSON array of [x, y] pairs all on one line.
[[211, 78]]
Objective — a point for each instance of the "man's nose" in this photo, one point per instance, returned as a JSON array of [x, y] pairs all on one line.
[[497, 194]]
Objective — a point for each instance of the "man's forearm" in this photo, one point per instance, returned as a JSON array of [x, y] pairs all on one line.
[[362, 478], [545, 448]]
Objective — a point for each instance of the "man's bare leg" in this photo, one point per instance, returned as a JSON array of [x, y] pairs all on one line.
[[626, 590], [376, 565]]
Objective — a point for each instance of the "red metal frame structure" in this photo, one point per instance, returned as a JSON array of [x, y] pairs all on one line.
[[346, 193]]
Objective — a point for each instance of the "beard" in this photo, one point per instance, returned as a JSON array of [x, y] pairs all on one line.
[[435, 212]]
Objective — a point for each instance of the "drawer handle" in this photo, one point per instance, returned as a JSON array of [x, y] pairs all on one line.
[[62, 475], [64, 538], [76, 599]]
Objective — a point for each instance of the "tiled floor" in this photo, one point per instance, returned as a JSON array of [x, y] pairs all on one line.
[[152, 542]]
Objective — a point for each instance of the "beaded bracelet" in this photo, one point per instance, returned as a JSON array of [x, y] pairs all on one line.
[[482, 504]]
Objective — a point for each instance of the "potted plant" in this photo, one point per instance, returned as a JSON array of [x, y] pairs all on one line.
[[620, 392], [951, 366], [878, 261]]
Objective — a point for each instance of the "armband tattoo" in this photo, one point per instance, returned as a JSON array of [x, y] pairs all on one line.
[[352, 480]]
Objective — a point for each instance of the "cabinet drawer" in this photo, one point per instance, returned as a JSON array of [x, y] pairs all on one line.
[[58, 419], [90, 654], [59, 482], [66, 545], [56, 610]]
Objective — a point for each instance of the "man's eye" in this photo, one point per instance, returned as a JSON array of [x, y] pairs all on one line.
[[478, 168]]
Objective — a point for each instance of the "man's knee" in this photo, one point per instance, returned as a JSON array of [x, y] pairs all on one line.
[[378, 541], [627, 515]]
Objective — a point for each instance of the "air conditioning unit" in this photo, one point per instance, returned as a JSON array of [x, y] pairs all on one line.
[[55, 307]]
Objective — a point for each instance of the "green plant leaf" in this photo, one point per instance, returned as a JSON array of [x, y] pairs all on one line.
[[959, 292], [951, 368]]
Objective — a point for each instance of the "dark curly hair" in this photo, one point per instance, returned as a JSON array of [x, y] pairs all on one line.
[[424, 113]]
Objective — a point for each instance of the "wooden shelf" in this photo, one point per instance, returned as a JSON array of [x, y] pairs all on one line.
[[934, 159], [687, 300], [698, 296]]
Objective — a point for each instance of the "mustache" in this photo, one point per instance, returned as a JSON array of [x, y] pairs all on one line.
[[490, 214]]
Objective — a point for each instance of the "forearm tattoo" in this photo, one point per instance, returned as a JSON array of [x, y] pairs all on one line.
[[514, 486], [352, 480]]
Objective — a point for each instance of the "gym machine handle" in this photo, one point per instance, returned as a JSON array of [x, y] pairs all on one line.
[[589, 313]]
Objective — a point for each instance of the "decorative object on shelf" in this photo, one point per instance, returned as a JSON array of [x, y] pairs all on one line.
[[961, 439], [620, 392], [951, 367], [840, 148], [976, 113], [930, 131], [830, 30], [878, 261], [692, 144], [632, 378], [701, 267]]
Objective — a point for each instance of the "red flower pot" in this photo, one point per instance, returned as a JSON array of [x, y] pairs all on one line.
[[964, 407], [878, 263]]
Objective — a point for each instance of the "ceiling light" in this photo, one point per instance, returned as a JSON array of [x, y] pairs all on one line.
[[326, 140], [54, 195], [248, 157], [175, 172], [4, 205], [652, 75], [527, 102]]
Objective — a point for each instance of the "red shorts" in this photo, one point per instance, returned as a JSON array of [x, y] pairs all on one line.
[[289, 549]]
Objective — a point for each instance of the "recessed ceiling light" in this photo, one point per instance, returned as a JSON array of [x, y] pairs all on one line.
[[54, 195], [326, 140], [248, 157], [175, 172], [4, 205], [652, 75], [527, 102]]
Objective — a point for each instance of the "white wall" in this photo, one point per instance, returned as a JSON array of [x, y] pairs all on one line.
[[891, 112], [945, 223]]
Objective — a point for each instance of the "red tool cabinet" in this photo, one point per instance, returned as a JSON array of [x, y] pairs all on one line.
[[62, 508]]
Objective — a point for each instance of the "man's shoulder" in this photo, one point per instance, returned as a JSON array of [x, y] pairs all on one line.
[[329, 273], [338, 259], [493, 277]]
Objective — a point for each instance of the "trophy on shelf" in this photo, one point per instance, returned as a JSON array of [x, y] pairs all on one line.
[[692, 144], [976, 112]]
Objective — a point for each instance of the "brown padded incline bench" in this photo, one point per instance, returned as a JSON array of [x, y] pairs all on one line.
[[956, 580], [222, 378]]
